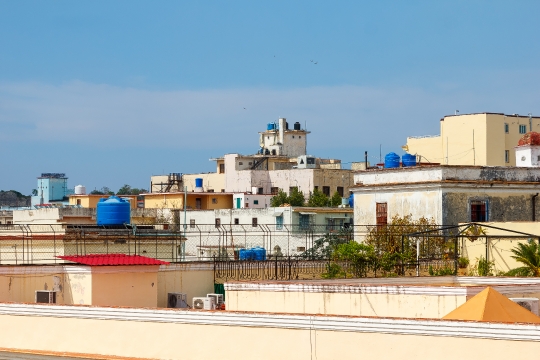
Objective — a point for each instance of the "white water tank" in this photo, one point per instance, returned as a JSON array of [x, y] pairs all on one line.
[[80, 190]]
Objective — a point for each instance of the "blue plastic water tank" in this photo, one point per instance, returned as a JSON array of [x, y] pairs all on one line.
[[408, 160], [242, 254], [351, 200], [113, 211], [198, 182], [259, 253], [271, 126], [391, 160]]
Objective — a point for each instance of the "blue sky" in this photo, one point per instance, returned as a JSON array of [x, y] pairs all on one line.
[[113, 92]]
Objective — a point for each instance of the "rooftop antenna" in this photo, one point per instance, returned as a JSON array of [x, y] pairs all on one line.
[[530, 121]]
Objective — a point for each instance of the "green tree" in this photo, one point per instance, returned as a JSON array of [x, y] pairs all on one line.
[[124, 190], [280, 199], [335, 200], [296, 198], [361, 257], [34, 192], [317, 199], [529, 255], [323, 248]]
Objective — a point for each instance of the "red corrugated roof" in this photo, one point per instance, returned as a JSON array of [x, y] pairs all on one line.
[[113, 259]]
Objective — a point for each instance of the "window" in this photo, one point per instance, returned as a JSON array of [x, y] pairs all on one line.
[[279, 222], [198, 203], [274, 190], [256, 202], [316, 188], [522, 129], [506, 128], [291, 189], [236, 221], [78, 201], [479, 211], [222, 190], [218, 222], [240, 163], [300, 248], [538, 158], [340, 190], [305, 221], [334, 224], [246, 205], [299, 137], [260, 190], [221, 168], [191, 223], [254, 222], [506, 156], [214, 200], [293, 136], [382, 213], [210, 190], [326, 190]]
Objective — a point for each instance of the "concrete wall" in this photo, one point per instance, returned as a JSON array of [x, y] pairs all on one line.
[[211, 181], [170, 334], [428, 147], [91, 201], [499, 249], [192, 279]]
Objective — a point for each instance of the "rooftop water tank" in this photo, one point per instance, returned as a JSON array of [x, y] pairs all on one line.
[[270, 126], [408, 160], [80, 190], [391, 160], [198, 185], [259, 253], [297, 126], [113, 211]]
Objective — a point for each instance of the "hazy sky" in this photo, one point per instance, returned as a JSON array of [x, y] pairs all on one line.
[[111, 92]]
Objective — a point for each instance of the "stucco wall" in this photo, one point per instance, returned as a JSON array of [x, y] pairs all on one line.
[[135, 286], [150, 334], [194, 279], [386, 305]]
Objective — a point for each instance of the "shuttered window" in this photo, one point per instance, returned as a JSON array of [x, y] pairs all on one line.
[[382, 214]]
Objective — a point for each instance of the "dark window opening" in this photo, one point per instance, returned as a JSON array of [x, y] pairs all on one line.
[[260, 190], [218, 222], [192, 223], [236, 221], [340, 190], [254, 222], [221, 168], [326, 190], [274, 190], [479, 211]]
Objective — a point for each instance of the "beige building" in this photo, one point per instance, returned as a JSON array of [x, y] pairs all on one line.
[[91, 201], [195, 200], [474, 139]]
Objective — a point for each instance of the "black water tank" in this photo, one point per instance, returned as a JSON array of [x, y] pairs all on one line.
[[297, 126]]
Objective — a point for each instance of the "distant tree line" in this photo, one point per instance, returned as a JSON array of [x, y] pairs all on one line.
[[296, 198], [124, 190]]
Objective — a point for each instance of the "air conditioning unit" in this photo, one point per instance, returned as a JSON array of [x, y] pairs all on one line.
[[45, 297], [530, 304], [177, 301], [218, 299], [204, 303]]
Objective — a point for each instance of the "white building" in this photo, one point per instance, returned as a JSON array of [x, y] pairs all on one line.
[[281, 162], [449, 194], [251, 200]]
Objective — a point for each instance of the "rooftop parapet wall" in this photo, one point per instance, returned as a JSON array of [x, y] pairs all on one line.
[[447, 173]]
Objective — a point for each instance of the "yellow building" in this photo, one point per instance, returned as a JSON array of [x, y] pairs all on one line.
[[474, 139], [195, 200], [90, 200]]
